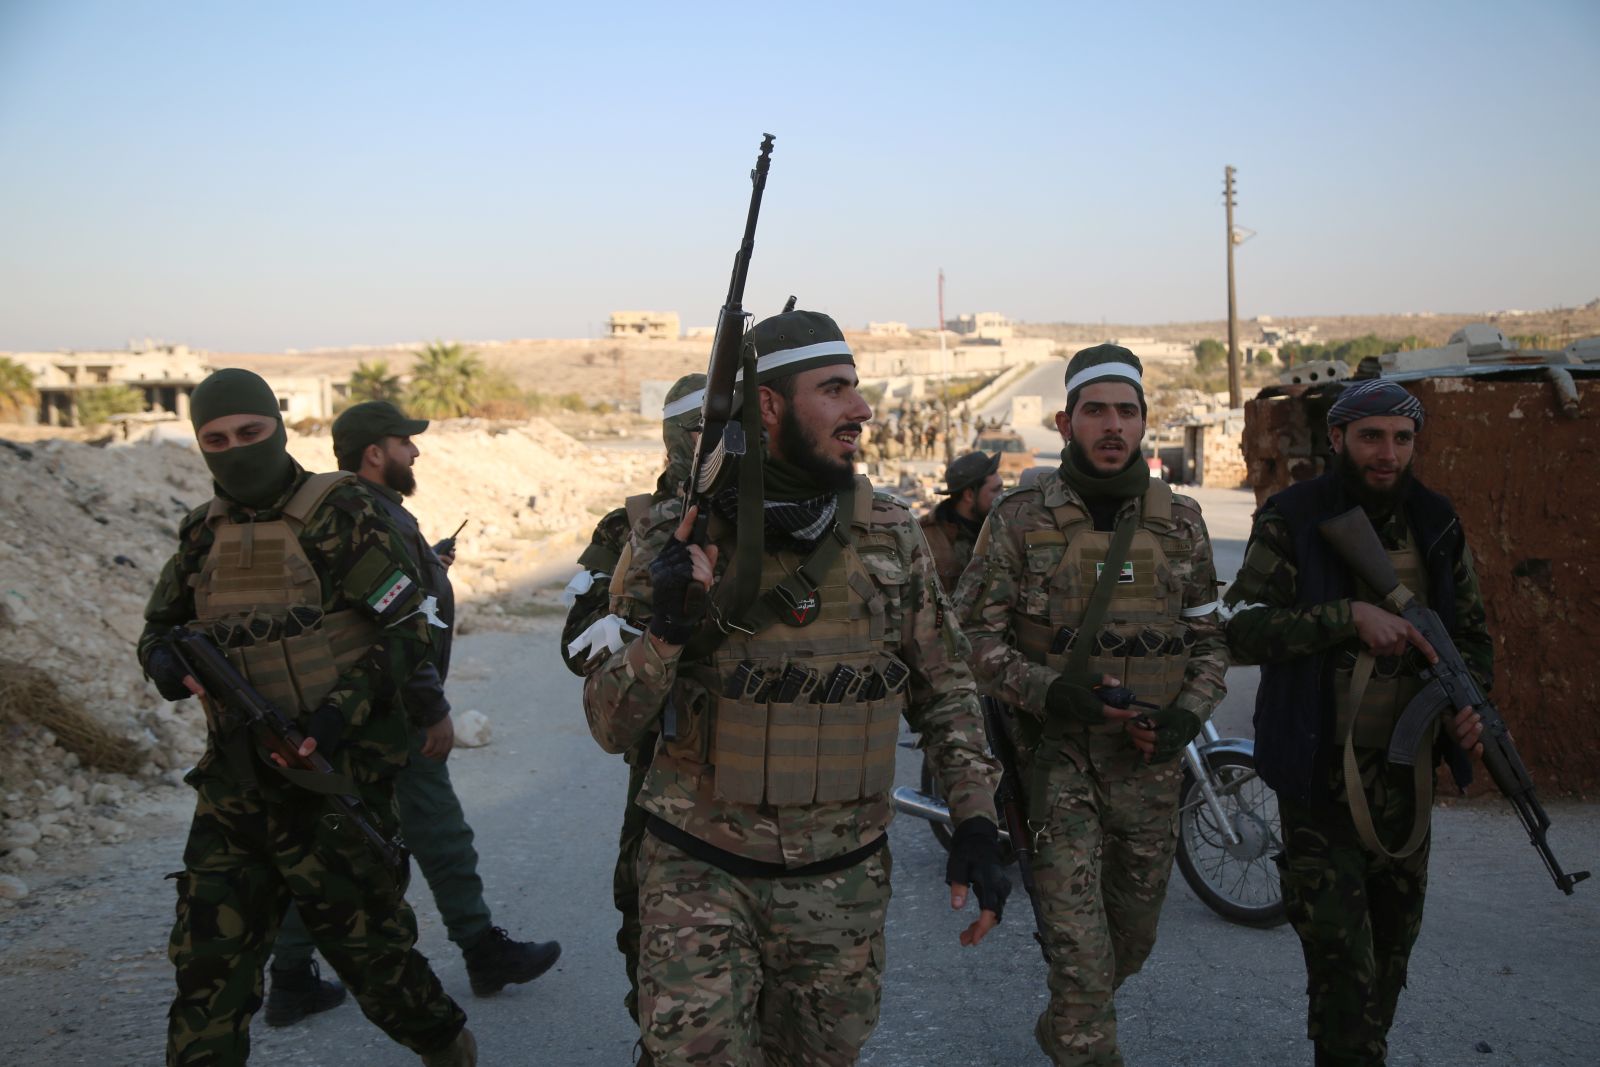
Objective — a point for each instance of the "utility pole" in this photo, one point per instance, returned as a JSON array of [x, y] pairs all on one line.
[[1235, 399]]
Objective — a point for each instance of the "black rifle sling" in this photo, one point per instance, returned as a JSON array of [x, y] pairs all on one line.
[[1054, 736], [794, 588]]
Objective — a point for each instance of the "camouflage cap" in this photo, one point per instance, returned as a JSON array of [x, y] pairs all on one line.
[[796, 341], [369, 422], [1104, 363], [684, 400], [965, 472]]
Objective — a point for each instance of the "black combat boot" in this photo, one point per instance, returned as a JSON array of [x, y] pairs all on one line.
[[494, 960], [460, 1052], [300, 992]]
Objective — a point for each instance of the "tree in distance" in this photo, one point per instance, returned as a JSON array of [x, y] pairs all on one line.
[[444, 382], [98, 405], [1209, 354], [16, 389], [372, 381]]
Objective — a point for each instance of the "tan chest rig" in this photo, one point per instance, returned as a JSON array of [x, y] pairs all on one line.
[[260, 600], [1143, 639], [946, 558], [1370, 715], [832, 738]]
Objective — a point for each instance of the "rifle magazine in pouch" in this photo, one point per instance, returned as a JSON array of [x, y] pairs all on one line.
[[796, 740], [739, 751], [840, 749]]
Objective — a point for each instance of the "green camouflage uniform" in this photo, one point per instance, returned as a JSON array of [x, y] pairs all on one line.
[[777, 969], [1357, 914], [1103, 862], [257, 842]]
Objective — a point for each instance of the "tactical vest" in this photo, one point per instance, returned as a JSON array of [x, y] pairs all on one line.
[[259, 598], [820, 746], [1143, 639], [1394, 680]]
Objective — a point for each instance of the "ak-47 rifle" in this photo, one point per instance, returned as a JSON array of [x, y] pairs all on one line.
[[1010, 799], [273, 729], [1450, 688], [723, 442]]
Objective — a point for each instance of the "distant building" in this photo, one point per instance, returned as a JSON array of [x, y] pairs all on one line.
[[164, 374], [985, 326], [888, 329], [652, 325], [1275, 337]]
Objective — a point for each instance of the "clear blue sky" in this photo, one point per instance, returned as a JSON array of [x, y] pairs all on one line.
[[258, 176]]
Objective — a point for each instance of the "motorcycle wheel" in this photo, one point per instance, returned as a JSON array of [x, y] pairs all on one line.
[[1238, 882]]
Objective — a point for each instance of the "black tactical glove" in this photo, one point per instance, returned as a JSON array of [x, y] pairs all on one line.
[[671, 574], [326, 727], [1175, 727], [975, 863], [165, 667], [1075, 702]]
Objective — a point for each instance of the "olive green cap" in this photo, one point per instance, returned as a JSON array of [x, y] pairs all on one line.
[[796, 341], [1104, 363], [369, 422], [972, 469]]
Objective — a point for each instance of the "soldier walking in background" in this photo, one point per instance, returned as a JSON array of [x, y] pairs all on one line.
[[971, 485], [308, 569], [373, 441], [1101, 577], [764, 875], [592, 633], [1337, 669]]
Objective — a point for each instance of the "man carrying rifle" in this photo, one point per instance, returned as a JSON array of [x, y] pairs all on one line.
[[764, 873], [373, 440], [1096, 577], [592, 633], [1337, 669], [302, 584]]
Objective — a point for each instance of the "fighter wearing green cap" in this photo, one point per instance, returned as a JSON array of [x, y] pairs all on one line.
[[971, 484], [592, 633], [373, 440], [764, 873], [304, 586], [1096, 575]]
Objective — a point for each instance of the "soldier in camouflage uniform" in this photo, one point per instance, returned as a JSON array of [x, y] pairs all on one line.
[[588, 638], [1102, 782], [1337, 669], [971, 484], [307, 576], [764, 875]]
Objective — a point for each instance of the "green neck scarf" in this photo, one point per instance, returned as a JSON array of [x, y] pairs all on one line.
[[785, 481], [1130, 481]]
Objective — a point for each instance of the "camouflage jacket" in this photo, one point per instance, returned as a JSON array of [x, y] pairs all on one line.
[[599, 561], [624, 698], [950, 541], [998, 587], [355, 551], [1265, 624]]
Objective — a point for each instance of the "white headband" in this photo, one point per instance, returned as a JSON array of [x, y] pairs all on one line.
[[1105, 370], [784, 357], [683, 405]]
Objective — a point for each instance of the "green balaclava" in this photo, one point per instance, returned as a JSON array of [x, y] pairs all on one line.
[[1104, 363], [680, 416], [787, 344], [255, 475]]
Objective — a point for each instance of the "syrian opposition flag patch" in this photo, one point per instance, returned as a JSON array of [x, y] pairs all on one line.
[[389, 593]]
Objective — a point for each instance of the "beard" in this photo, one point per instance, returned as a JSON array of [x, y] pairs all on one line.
[[1373, 501], [1080, 456], [803, 450], [399, 477]]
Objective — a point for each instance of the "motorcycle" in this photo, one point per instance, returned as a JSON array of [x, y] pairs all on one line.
[[1228, 827]]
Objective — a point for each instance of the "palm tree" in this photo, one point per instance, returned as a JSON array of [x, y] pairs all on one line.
[[372, 381], [16, 389], [444, 381]]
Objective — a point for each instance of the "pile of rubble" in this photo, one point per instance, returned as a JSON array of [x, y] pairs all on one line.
[[85, 531]]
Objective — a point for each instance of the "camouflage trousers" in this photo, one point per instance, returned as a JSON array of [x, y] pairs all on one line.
[[1357, 914], [436, 830], [758, 972], [625, 878], [247, 856], [1102, 875]]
